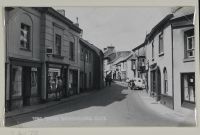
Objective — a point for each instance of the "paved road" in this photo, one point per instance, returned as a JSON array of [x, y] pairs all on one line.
[[112, 106]]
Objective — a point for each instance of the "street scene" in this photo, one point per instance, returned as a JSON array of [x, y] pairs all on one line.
[[100, 67], [113, 106]]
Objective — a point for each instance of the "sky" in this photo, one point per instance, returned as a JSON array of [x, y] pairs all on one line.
[[122, 27]]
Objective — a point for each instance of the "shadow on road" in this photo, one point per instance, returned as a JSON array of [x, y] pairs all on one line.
[[102, 97]]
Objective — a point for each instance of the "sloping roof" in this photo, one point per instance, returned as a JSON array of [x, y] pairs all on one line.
[[93, 47], [159, 26]]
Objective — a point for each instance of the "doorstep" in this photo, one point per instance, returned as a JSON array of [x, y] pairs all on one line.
[[33, 108]]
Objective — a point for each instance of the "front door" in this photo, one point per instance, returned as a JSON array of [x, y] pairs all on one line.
[[158, 85], [26, 85]]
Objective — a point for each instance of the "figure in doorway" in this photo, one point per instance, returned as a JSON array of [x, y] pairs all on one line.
[[59, 87]]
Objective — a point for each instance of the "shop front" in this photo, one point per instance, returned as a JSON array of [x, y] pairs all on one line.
[[188, 90], [73, 82], [25, 84], [54, 72]]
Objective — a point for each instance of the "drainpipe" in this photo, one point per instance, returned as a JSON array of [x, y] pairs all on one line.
[[172, 65]]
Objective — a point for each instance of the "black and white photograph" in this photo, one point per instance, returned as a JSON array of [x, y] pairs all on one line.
[[96, 66]]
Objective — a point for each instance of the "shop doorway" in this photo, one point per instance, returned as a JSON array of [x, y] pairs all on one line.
[[26, 85]]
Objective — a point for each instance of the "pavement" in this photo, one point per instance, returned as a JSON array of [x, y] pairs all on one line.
[[33, 108]]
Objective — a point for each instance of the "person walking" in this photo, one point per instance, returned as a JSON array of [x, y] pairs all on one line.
[[106, 80], [59, 87], [109, 80]]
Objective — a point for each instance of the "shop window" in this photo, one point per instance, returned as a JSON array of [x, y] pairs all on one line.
[[25, 37], [161, 45], [58, 44], [71, 51], [188, 87], [165, 81], [189, 44], [16, 81], [34, 80], [53, 73]]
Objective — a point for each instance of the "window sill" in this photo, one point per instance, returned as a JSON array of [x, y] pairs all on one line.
[[58, 56], [188, 59], [24, 49], [161, 54]]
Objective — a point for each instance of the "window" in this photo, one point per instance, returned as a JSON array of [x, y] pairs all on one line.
[[58, 44], [82, 54], [161, 45], [152, 51], [165, 81], [90, 57], [71, 51], [189, 44], [133, 64], [188, 87], [86, 56], [25, 37]]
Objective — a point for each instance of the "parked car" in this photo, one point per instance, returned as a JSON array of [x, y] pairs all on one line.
[[139, 83]]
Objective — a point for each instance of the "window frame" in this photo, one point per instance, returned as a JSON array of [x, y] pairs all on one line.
[[161, 44], [187, 47], [58, 52], [152, 50], [28, 37], [71, 51], [189, 34]]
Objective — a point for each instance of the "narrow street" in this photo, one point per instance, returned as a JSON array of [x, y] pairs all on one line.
[[111, 106]]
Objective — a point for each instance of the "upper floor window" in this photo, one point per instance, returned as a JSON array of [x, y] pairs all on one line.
[[71, 51], [161, 45], [189, 44], [25, 36], [90, 57], [152, 51], [133, 64], [82, 54], [86, 56], [58, 44]]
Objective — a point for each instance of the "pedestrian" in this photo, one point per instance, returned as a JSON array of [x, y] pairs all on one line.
[[59, 87], [106, 79], [109, 80]]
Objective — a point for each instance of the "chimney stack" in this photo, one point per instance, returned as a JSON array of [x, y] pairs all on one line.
[[77, 24], [61, 11]]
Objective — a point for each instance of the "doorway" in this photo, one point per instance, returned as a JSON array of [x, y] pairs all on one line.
[[158, 85], [26, 85]]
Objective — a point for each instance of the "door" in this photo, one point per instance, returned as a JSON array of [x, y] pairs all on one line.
[[26, 85]]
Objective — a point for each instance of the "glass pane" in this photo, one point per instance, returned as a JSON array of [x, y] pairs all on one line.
[[17, 81], [34, 85], [190, 46]]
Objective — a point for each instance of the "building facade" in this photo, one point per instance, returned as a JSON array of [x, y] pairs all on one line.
[[170, 58], [41, 46], [91, 66], [23, 57]]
